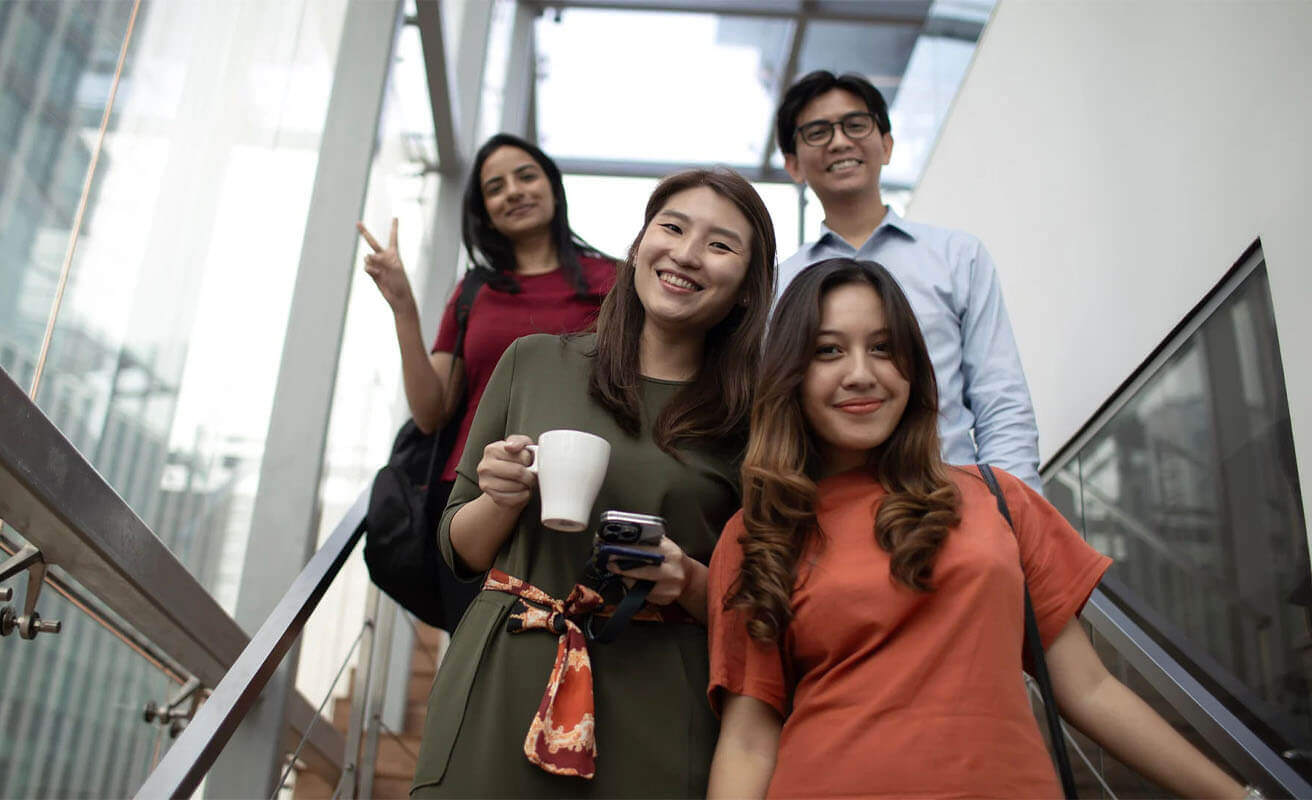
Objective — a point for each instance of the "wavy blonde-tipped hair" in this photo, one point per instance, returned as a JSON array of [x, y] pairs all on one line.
[[782, 460]]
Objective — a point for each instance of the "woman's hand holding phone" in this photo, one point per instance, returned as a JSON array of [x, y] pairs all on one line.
[[503, 473], [671, 578]]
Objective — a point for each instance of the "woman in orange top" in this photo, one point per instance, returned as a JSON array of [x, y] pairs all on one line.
[[866, 605]]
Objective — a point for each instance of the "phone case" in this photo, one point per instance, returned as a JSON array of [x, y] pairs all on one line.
[[628, 557], [622, 527]]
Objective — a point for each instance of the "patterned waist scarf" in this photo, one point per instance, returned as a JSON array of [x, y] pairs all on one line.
[[562, 736]]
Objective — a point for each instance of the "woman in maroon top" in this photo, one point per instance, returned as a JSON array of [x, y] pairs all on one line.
[[539, 277]]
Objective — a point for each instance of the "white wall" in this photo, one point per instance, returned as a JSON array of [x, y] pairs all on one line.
[[1117, 158]]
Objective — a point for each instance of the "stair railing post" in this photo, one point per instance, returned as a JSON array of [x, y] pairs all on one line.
[[377, 692]]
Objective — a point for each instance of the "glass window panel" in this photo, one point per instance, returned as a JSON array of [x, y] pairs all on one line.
[[35, 94], [656, 86], [1192, 488], [1063, 491], [607, 211], [167, 345], [933, 74], [66, 732], [879, 52], [368, 397]]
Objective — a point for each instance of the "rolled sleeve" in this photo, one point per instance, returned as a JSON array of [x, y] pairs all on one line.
[[995, 392], [739, 664], [1061, 569], [489, 426]]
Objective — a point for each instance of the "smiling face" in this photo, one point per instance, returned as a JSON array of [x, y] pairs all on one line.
[[690, 263], [853, 395], [516, 193], [844, 166]]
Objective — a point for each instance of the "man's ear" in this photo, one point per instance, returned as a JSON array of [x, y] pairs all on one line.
[[794, 169], [888, 147]]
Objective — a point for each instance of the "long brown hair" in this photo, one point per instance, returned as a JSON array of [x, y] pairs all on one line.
[[779, 470], [718, 401]]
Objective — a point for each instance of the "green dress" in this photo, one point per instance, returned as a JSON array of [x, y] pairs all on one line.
[[655, 731]]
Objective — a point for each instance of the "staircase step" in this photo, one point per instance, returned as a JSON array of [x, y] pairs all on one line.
[[388, 788], [415, 714], [311, 787], [397, 759]]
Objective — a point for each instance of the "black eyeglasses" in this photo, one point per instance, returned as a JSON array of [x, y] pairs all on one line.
[[857, 125]]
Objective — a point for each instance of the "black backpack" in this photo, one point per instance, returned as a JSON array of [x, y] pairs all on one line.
[[400, 545]]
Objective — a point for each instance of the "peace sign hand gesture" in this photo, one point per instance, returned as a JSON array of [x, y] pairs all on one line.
[[385, 267]]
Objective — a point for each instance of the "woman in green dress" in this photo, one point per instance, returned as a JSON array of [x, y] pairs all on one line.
[[521, 707]]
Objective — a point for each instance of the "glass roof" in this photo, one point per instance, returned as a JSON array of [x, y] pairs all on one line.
[[663, 88], [657, 86]]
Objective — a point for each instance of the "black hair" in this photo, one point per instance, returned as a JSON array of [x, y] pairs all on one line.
[[814, 84], [490, 250]]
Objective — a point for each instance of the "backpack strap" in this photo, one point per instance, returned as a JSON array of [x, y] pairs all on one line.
[[1034, 647], [469, 286]]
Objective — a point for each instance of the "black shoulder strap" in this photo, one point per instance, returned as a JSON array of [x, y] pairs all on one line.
[[469, 286], [1034, 646], [634, 599]]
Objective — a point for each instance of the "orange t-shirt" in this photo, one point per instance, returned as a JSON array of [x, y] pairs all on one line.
[[886, 692]]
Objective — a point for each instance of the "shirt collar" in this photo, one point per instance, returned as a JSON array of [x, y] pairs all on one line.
[[891, 220]]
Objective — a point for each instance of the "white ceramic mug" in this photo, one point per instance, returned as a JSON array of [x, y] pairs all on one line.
[[570, 466]]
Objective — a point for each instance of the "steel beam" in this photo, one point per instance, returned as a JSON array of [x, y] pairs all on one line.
[[659, 169], [443, 257], [284, 522], [786, 77], [877, 12], [521, 74], [446, 125]]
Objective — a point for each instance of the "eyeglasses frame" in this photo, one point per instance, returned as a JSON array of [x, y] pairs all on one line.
[[841, 122]]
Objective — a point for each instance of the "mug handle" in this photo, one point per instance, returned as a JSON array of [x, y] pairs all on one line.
[[533, 467]]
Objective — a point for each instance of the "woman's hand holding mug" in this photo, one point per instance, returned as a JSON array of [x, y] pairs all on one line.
[[504, 474], [571, 466]]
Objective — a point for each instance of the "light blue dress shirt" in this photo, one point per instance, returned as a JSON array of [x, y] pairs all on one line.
[[953, 287]]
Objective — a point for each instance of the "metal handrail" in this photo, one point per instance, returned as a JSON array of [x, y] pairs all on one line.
[[191, 756], [1230, 736], [57, 500]]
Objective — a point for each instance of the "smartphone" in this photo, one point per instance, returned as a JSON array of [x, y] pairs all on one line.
[[628, 557], [622, 527]]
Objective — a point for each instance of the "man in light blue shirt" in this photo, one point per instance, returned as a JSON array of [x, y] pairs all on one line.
[[835, 136]]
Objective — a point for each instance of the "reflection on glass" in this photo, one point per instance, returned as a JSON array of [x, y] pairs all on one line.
[[166, 347], [167, 344], [56, 66], [1192, 488], [1063, 491], [657, 86], [71, 708]]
